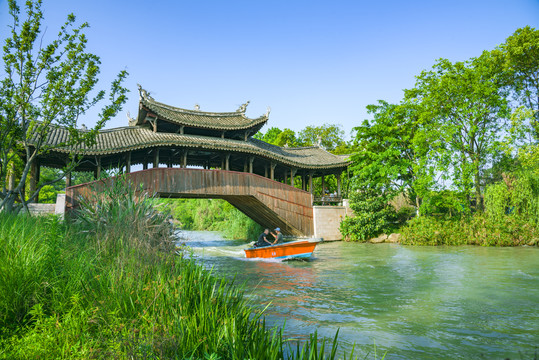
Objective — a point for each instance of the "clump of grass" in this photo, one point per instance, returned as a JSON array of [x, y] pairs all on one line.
[[118, 214]]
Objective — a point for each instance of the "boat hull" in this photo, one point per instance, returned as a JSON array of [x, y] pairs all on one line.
[[291, 250]]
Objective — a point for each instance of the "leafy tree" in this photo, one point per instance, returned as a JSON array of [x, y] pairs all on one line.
[[521, 57], [45, 86], [330, 136], [391, 150], [469, 104]]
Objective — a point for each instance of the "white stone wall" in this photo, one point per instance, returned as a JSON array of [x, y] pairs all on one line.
[[327, 220]]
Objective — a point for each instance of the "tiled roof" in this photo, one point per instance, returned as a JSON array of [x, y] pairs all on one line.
[[124, 139], [199, 119]]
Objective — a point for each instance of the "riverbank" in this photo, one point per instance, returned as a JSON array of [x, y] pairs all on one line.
[[109, 285]]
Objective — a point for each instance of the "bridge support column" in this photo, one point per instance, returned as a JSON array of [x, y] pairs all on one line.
[[156, 158]]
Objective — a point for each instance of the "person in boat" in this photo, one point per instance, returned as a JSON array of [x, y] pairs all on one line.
[[263, 239], [278, 236]]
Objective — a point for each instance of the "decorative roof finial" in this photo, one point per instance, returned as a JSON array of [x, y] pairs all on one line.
[[130, 120], [243, 107], [143, 93], [197, 107], [267, 112], [319, 141]]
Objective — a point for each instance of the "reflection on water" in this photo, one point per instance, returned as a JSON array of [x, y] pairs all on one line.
[[415, 302]]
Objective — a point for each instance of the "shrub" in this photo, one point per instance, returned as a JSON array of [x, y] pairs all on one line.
[[372, 215]]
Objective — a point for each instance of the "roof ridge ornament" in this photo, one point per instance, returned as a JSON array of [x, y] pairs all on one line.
[[143, 94], [267, 112], [197, 107], [130, 120], [243, 107]]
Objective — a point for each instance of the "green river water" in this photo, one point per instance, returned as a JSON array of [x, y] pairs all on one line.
[[413, 302]]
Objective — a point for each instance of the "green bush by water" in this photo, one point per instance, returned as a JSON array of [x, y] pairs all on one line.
[[477, 229], [98, 288]]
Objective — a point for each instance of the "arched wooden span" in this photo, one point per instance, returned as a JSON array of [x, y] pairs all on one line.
[[270, 203]]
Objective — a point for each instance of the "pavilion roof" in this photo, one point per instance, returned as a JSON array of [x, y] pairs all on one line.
[[199, 119], [120, 140]]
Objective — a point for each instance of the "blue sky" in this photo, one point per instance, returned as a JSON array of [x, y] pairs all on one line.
[[312, 62]]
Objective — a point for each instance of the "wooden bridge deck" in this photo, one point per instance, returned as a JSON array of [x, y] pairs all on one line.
[[269, 203]]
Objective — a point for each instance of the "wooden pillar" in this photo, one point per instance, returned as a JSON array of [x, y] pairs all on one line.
[[303, 184], [156, 158], [97, 171], [227, 162], [285, 176], [145, 164], [128, 162], [181, 130], [184, 159], [272, 170], [323, 185], [251, 160], [34, 178], [311, 183], [68, 179], [245, 165], [265, 171], [338, 184], [292, 176]]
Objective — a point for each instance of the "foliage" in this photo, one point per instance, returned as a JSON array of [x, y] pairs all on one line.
[[117, 212], [329, 136], [212, 215], [372, 215], [469, 104], [46, 86], [520, 53], [476, 229]]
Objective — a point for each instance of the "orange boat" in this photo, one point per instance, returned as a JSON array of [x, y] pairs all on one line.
[[290, 250]]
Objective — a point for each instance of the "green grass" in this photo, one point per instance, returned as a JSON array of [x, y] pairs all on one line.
[[109, 285]]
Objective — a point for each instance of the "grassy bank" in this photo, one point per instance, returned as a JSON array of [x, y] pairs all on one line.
[[109, 285], [478, 229], [212, 215]]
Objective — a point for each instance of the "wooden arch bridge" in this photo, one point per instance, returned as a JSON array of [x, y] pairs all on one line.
[[268, 202]]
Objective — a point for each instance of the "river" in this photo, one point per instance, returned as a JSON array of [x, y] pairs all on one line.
[[413, 302]]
